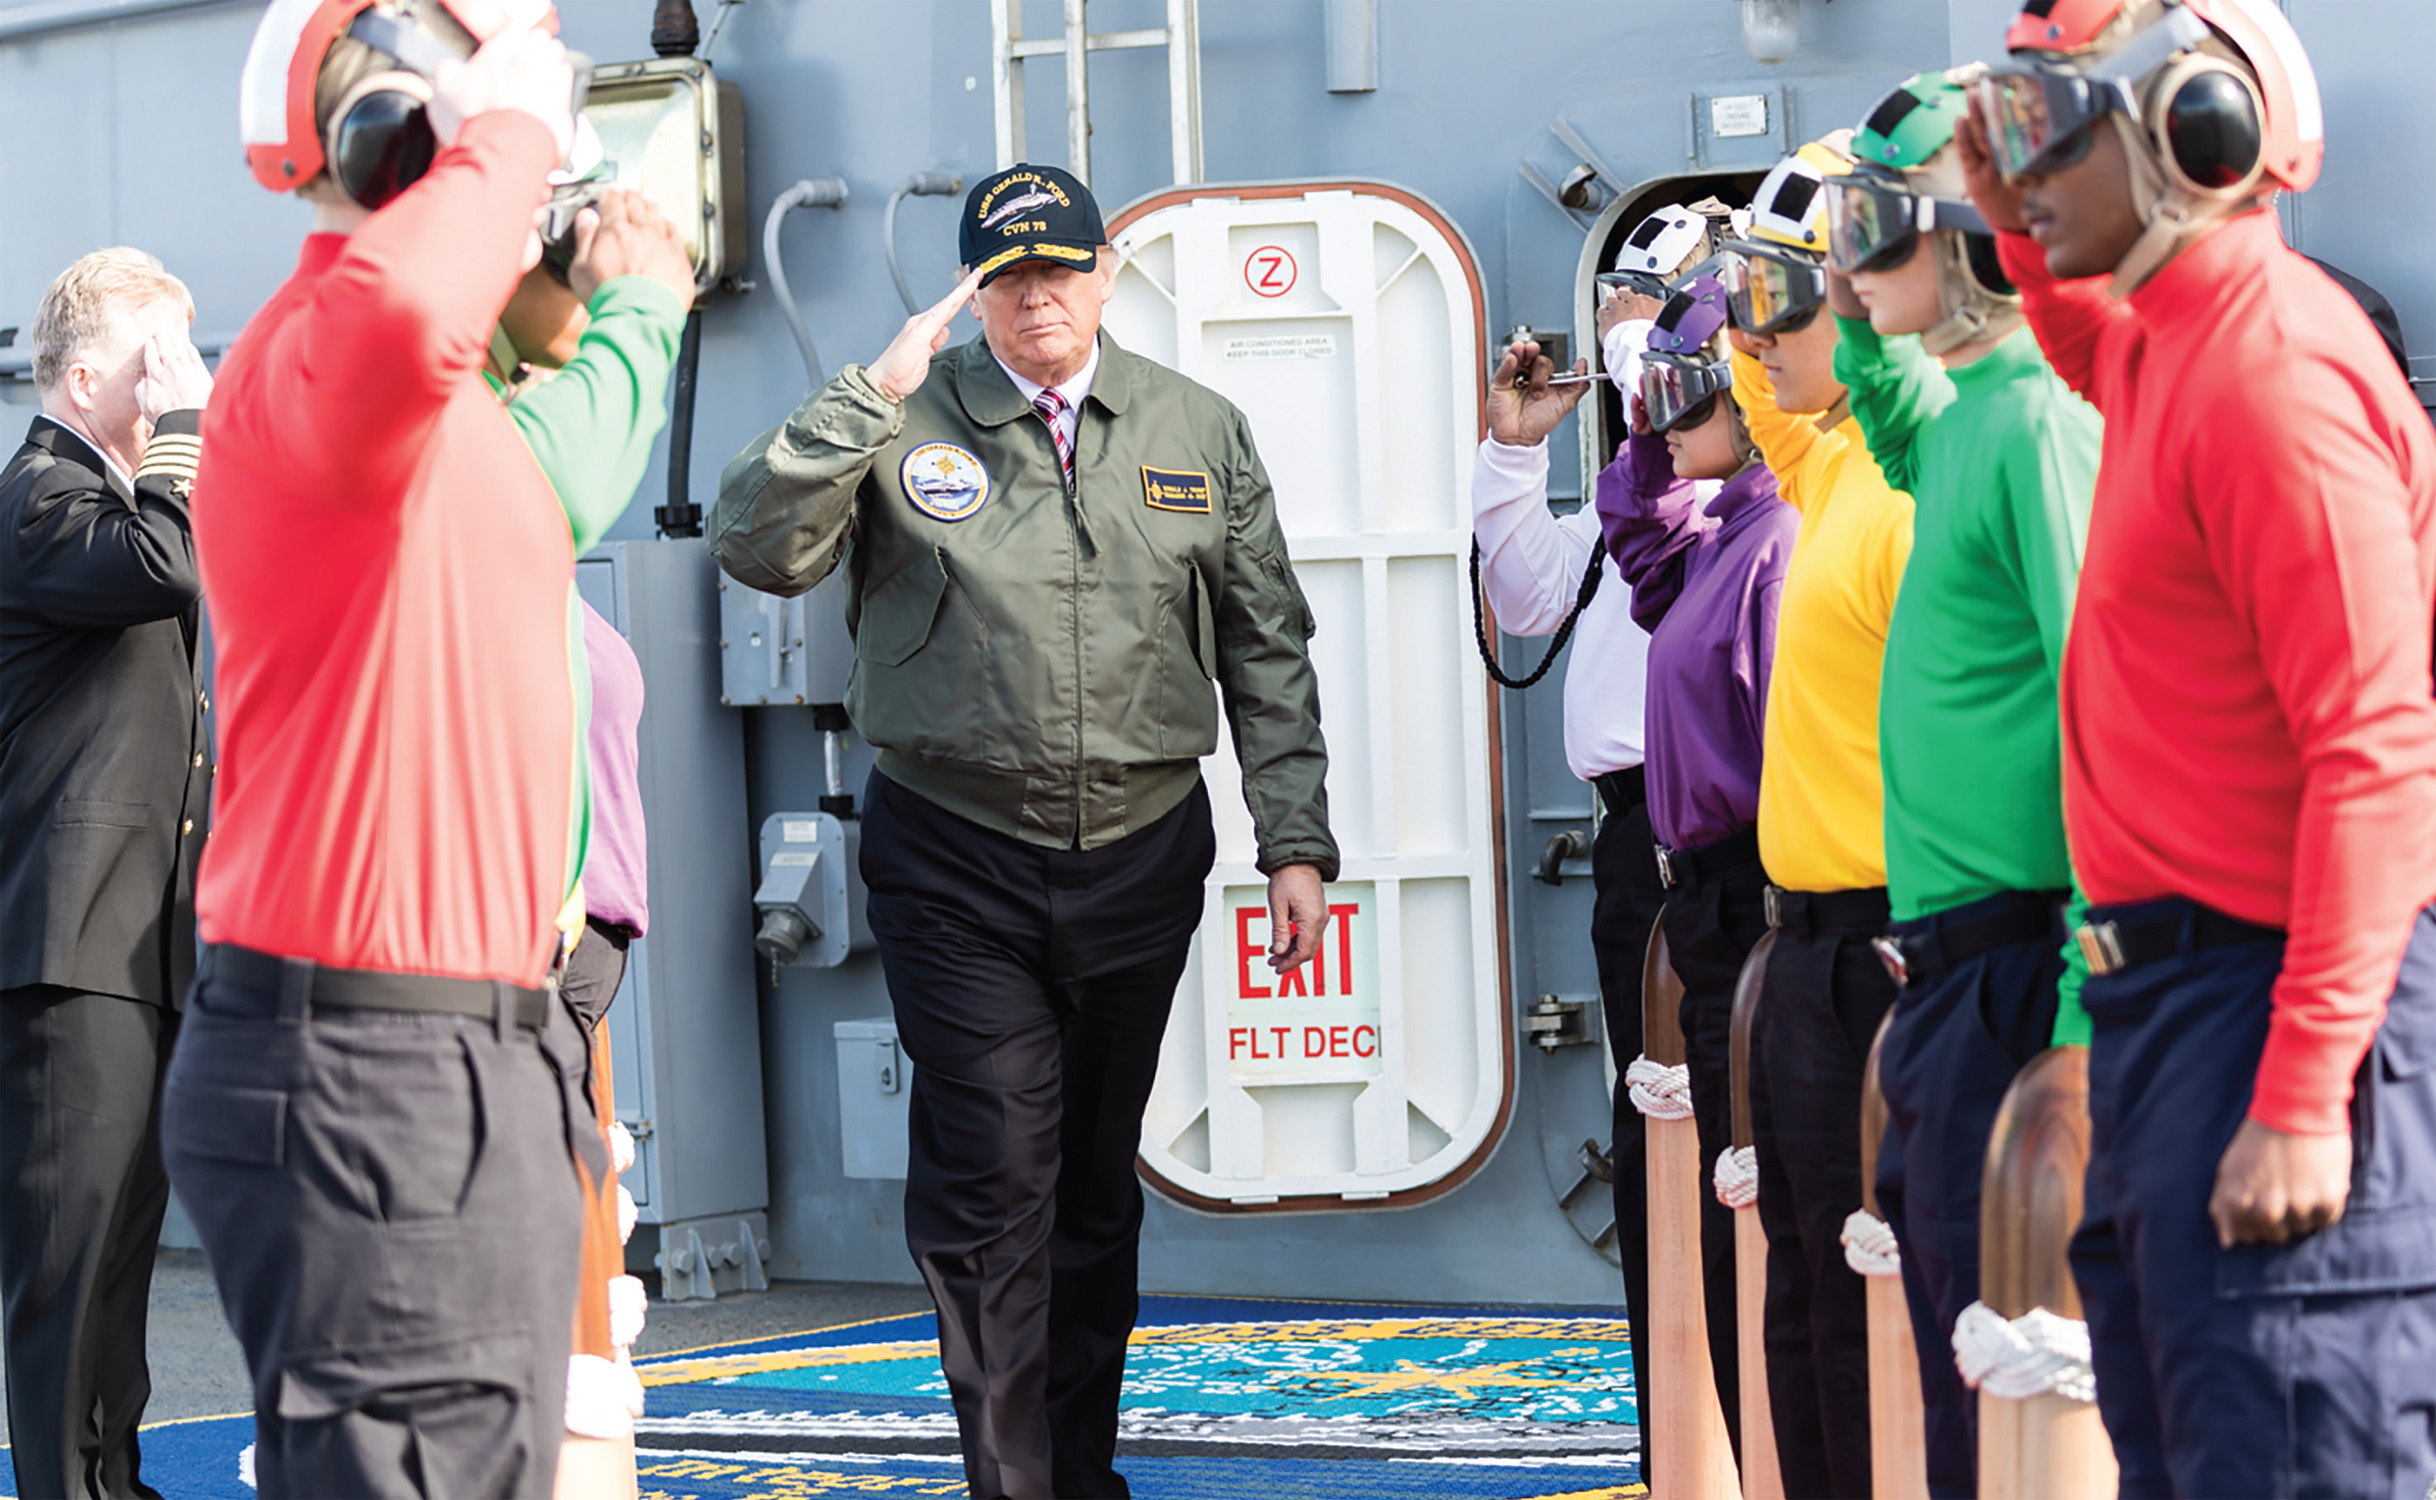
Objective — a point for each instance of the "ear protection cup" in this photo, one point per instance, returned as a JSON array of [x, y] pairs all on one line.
[[1979, 252], [2209, 126], [381, 141]]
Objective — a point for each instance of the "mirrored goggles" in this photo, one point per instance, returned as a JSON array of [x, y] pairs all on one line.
[[2039, 116], [1873, 224], [1679, 392], [2038, 120], [1770, 290]]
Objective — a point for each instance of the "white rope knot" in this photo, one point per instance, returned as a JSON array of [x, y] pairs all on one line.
[[1869, 1245], [629, 1304], [2018, 1358], [603, 1397], [1738, 1176], [1660, 1092]]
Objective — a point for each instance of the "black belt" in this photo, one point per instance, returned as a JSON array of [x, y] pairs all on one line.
[[255, 983], [1861, 911], [1622, 791], [2168, 927], [1927, 946], [1689, 866]]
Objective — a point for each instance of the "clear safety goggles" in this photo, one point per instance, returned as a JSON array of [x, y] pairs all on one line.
[[1679, 392], [1874, 224], [1614, 284], [1769, 290]]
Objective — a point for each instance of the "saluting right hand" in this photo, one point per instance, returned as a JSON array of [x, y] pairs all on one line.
[[525, 69], [1998, 201], [905, 363], [627, 235], [174, 377], [1523, 407]]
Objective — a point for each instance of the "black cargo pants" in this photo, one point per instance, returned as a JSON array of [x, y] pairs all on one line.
[[1031, 989], [390, 1210]]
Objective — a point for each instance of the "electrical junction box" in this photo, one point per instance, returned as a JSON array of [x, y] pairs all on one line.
[[809, 906], [778, 651], [874, 1097], [677, 133]]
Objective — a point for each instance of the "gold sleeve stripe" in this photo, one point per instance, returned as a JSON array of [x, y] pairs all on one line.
[[173, 453]]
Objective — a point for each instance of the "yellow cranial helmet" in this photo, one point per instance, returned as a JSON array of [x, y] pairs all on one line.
[[1790, 208]]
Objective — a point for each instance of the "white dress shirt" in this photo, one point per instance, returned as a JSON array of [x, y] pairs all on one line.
[[1070, 420]]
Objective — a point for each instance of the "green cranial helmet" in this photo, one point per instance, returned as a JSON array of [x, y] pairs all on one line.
[[1911, 126], [1907, 186]]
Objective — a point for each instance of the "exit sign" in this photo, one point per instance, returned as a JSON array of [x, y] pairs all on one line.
[[1315, 1024]]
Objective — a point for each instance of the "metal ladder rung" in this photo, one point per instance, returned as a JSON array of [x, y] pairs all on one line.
[[1181, 36], [1106, 41]]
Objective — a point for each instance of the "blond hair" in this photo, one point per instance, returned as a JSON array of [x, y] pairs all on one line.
[[78, 310]]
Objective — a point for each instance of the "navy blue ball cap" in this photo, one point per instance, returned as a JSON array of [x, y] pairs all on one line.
[[1029, 213]]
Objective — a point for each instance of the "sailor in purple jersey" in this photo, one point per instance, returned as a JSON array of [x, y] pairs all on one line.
[[1705, 583]]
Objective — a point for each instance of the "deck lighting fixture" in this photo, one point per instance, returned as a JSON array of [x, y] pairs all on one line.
[[1771, 29]]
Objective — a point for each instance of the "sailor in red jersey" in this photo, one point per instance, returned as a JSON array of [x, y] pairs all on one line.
[[361, 1118], [2249, 758]]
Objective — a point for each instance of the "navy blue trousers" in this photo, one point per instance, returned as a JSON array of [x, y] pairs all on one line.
[[2288, 1370], [1959, 1036]]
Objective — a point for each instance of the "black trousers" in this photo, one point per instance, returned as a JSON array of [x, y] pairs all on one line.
[[390, 1209], [1627, 905], [1031, 989], [1826, 992], [82, 1194], [1712, 925]]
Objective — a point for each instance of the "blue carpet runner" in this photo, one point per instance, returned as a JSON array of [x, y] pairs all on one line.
[[1223, 1398]]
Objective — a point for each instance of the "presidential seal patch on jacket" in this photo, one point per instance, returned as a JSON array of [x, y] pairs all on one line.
[[944, 481]]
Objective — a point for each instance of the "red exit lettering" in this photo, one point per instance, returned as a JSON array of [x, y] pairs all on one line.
[[1291, 982]]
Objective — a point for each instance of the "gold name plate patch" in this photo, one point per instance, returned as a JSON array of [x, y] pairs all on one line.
[[1176, 489]]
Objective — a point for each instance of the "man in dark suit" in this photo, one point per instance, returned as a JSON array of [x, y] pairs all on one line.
[[104, 771]]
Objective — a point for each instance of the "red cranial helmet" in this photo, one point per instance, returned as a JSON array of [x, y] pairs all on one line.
[[378, 140], [2220, 127]]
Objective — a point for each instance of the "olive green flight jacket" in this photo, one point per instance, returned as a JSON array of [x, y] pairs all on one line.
[[1037, 656]]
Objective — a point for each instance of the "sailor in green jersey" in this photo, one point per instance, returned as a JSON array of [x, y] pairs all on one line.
[[582, 355], [2000, 458]]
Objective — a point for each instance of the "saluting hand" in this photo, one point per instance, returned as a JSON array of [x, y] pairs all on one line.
[[174, 378], [1998, 201], [1523, 407], [627, 235], [905, 363]]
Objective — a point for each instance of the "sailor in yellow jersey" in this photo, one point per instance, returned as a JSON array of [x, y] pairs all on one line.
[[1821, 836]]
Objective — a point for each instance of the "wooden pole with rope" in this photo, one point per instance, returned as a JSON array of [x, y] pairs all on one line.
[[2038, 1156], [1898, 1431], [1762, 1478], [1695, 1459]]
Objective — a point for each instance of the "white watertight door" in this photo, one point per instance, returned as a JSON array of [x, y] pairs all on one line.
[[1345, 319]]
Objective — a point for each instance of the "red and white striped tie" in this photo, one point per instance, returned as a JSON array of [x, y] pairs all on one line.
[[1052, 406]]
